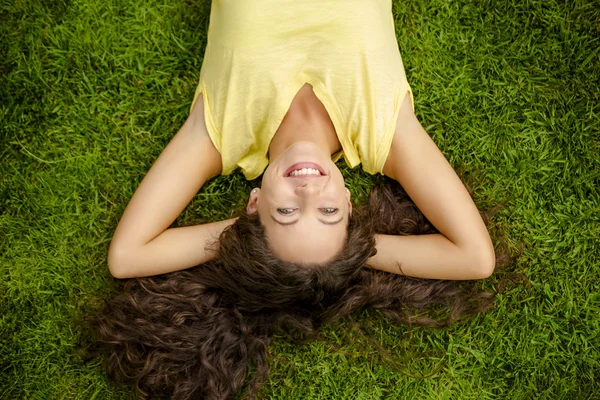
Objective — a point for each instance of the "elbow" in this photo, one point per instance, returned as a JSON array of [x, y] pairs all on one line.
[[117, 262], [484, 262]]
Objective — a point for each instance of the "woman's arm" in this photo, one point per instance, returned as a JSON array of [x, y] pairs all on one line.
[[142, 245], [463, 249]]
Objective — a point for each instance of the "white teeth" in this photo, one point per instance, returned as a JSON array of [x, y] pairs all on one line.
[[306, 171]]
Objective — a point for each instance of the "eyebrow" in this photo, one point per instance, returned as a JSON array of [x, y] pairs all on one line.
[[295, 221]]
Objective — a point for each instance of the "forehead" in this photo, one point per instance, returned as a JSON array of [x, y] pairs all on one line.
[[306, 241]]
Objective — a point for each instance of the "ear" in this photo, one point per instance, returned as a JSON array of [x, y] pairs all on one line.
[[252, 206], [349, 202]]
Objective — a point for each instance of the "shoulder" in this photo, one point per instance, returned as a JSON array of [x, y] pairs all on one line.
[[196, 119], [406, 123], [195, 129]]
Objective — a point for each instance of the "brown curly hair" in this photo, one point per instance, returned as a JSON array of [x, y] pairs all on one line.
[[198, 333]]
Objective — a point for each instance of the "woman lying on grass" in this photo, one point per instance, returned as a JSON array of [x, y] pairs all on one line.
[[283, 90]]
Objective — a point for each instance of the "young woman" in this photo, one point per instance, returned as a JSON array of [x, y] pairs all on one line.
[[285, 89]]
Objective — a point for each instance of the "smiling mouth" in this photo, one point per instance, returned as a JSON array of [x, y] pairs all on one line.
[[304, 170]]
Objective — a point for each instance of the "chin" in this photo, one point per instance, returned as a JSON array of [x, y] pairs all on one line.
[[305, 148]]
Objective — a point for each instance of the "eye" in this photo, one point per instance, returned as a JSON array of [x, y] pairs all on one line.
[[329, 210], [286, 211]]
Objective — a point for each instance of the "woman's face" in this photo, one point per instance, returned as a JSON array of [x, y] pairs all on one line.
[[303, 205]]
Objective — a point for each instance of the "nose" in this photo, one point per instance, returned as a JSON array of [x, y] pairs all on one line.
[[307, 188]]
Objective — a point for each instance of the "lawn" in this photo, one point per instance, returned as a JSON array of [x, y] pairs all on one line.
[[92, 90]]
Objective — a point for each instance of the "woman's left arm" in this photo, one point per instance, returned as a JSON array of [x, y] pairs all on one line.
[[143, 243], [463, 249]]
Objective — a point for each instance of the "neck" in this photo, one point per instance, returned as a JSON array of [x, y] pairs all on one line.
[[304, 126]]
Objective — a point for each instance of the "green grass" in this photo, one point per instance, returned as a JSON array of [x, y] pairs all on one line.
[[92, 90]]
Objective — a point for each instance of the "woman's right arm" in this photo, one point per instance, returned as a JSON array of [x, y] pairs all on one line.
[[142, 245], [463, 248]]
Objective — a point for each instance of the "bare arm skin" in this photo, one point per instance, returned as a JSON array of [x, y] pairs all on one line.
[[463, 249], [142, 245]]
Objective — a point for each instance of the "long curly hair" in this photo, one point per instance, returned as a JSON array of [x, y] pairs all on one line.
[[198, 333]]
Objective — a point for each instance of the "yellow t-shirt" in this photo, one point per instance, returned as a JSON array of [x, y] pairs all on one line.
[[261, 52]]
